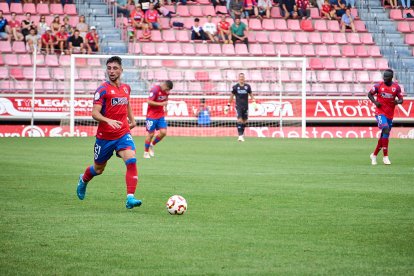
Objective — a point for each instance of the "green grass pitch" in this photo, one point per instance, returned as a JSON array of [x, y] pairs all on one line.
[[263, 207]]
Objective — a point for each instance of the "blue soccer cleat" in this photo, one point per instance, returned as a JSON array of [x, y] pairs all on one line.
[[81, 189], [131, 202]]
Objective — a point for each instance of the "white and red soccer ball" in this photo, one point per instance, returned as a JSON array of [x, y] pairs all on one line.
[[176, 205]]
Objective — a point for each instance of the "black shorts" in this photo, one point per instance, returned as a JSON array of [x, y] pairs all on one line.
[[242, 112]]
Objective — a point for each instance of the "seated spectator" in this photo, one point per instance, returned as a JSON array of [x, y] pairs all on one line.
[[202, 113], [75, 43], [338, 7], [393, 3], [210, 29], [92, 41], [68, 27], [62, 39], [146, 32], [14, 28], [4, 28], [224, 30], [406, 4], [137, 17], [48, 41], [152, 18], [264, 7], [33, 41], [82, 26], [347, 21], [55, 25], [351, 3], [250, 8], [289, 9], [27, 24], [303, 7], [327, 11], [122, 7], [239, 32], [236, 8], [197, 32], [41, 28], [164, 11], [218, 3]]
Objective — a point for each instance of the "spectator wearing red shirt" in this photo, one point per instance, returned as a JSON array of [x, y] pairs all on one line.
[[152, 18], [137, 17], [62, 39], [146, 32], [49, 41], [328, 11], [14, 28], [223, 28], [303, 8], [92, 41]]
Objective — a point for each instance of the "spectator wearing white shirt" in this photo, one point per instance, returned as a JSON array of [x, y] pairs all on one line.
[[197, 32], [210, 29]]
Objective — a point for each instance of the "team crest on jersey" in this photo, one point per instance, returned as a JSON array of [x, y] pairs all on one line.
[[112, 92], [394, 89], [119, 101], [151, 94], [97, 96], [126, 90]]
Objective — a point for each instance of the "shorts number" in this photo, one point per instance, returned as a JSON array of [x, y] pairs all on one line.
[[149, 124], [97, 151]]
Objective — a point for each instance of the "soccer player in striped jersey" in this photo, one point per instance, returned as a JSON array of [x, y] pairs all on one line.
[[112, 109], [388, 96], [157, 104]]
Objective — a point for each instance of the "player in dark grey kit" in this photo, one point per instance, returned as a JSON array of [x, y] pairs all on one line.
[[241, 91]]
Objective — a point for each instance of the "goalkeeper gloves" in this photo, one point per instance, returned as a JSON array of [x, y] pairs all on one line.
[[226, 109], [254, 105]]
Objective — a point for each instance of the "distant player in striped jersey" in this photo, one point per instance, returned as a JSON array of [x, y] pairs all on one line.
[[388, 95], [241, 91], [157, 104], [112, 109]]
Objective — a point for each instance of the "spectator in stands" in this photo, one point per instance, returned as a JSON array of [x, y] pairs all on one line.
[[75, 43], [41, 28], [218, 3], [351, 3], [4, 28], [406, 4], [122, 7], [14, 28], [328, 11], [164, 11], [27, 24], [92, 41], [153, 18], [49, 41], [250, 8], [264, 7], [82, 26], [55, 25], [202, 113], [64, 2], [137, 17], [210, 29], [289, 9], [303, 8], [62, 39], [146, 32], [338, 7], [239, 32], [347, 21], [393, 3], [33, 41], [224, 30], [68, 27], [197, 32], [236, 8]]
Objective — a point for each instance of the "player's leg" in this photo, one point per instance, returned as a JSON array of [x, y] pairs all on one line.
[[126, 150], [150, 125], [162, 127], [385, 140]]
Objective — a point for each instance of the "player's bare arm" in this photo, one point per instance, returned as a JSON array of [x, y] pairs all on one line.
[[131, 119], [372, 98], [154, 103], [97, 115], [400, 100]]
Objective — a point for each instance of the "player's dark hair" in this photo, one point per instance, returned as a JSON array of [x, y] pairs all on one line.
[[388, 73], [115, 59], [197, 20], [169, 84]]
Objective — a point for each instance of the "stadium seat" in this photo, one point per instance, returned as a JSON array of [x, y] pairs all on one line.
[[333, 26], [182, 63], [301, 38], [361, 51], [5, 8], [175, 49], [320, 25], [252, 37], [369, 64], [268, 50], [275, 12], [409, 39], [182, 36], [381, 64], [323, 76], [275, 37], [228, 50], [308, 50], [374, 51], [280, 25], [156, 36], [28, 73], [404, 27], [315, 64], [16, 7], [282, 50], [295, 50], [29, 7], [148, 49], [342, 63], [11, 60], [208, 10], [288, 37], [209, 64], [241, 50], [322, 50], [334, 51], [336, 76], [296, 76], [189, 75], [331, 89], [329, 63], [292, 89], [284, 76], [363, 76], [268, 24], [328, 38], [348, 51], [412, 26], [162, 49], [375, 76], [23, 60], [261, 37], [221, 9], [345, 89], [395, 14], [293, 25], [188, 49], [306, 25], [215, 49], [360, 26], [355, 64], [51, 60], [175, 75], [5, 47], [183, 11], [19, 47], [6, 85], [340, 38], [70, 9], [85, 74], [314, 13], [168, 35], [42, 9], [56, 9], [195, 11], [256, 49], [315, 38], [255, 75], [165, 23], [269, 75], [1, 60], [167, 63], [16, 73], [202, 49], [353, 38], [366, 38], [58, 73], [255, 24]]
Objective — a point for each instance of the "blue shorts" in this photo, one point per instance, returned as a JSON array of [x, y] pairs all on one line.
[[383, 121], [104, 149], [155, 124]]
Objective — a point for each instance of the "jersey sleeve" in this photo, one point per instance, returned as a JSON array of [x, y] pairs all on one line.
[[399, 93], [99, 96], [153, 93], [374, 90], [249, 89], [234, 90]]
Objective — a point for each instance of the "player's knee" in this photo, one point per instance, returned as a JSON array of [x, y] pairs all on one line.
[[386, 131], [99, 171]]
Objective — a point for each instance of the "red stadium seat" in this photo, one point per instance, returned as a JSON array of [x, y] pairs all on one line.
[[255, 24], [409, 39], [182, 36], [345, 89], [404, 27], [363, 76], [306, 25], [295, 50], [73, 20], [381, 64], [301, 38], [296, 76], [168, 35], [183, 11], [314, 13], [209, 64], [336, 76], [355, 64], [396, 14], [375, 76], [51, 60], [366, 38], [333, 26], [24, 60], [361, 51], [360, 26], [58, 73], [162, 49], [275, 37], [353, 38], [1, 60], [342, 64], [175, 75], [175, 49], [334, 51], [6, 85], [11, 60], [42, 9], [148, 49], [315, 38], [228, 50], [348, 51], [374, 51], [323, 76], [252, 37], [188, 49], [315, 64], [320, 25], [202, 49], [56, 9], [85, 74], [156, 36], [64, 61], [182, 63], [16, 73], [262, 37], [195, 11], [322, 50], [331, 88], [29, 7], [19, 47], [293, 25], [329, 64], [412, 26], [369, 64], [268, 24], [16, 7], [275, 12], [280, 25], [5, 47], [40, 60], [308, 50], [208, 10], [5, 8], [215, 49], [268, 50], [340, 38], [241, 50], [221, 9], [328, 38], [165, 23], [282, 49], [28, 73], [288, 37], [70, 9], [256, 49]]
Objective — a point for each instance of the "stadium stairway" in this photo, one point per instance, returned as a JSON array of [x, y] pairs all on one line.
[[390, 40], [97, 14]]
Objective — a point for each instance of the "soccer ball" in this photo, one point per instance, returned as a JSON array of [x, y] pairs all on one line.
[[176, 205]]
